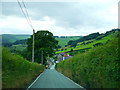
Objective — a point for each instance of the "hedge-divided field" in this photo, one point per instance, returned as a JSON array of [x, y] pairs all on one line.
[[96, 68], [79, 47], [16, 71], [63, 41]]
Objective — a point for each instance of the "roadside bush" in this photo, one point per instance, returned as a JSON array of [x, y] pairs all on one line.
[[96, 68], [16, 71]]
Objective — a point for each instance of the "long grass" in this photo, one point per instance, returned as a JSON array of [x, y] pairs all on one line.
[[16, 71], [96, 68]]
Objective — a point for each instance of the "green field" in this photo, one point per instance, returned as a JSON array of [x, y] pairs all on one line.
[[63, 41], [16, 71], [18, 47], [97, 68], [103, 40], [11, 38]]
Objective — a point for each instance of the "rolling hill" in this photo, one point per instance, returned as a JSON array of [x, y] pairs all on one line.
[[17, 42], [11, 38], [65, 39], [88, 42]]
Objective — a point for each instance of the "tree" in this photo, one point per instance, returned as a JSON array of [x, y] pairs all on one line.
[[74, 44], [44, 42], [71, 50], [59, 46]]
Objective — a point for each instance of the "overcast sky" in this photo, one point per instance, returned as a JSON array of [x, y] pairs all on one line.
[[61, 18]]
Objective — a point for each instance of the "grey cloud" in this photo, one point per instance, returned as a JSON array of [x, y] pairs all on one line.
[[67, 15], [11, 9]]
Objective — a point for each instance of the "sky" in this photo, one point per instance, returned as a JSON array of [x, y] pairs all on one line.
[[61, 18]]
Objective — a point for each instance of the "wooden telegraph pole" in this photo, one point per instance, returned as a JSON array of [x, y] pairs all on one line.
[[33, 47], [42, 56], [26, 15]]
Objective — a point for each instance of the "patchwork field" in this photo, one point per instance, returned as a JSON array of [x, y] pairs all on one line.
[[63, 41], [89, 45]]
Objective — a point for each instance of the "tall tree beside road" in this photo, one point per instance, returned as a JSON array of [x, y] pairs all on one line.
[[44, 42]]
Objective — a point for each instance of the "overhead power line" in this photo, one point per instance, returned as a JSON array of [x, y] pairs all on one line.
[[25, 13]]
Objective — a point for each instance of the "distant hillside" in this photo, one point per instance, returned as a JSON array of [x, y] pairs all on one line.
[[96, 36], [11, 38], [87, 42], [63, 40]]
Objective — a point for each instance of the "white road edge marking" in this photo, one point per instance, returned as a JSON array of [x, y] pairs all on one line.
[[58, 72], [35, 80], [72, 81]]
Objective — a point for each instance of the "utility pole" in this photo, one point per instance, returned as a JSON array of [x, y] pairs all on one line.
[[33, 47], [42, 56]]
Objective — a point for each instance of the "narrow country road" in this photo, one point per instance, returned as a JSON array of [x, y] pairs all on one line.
[[50, 78]]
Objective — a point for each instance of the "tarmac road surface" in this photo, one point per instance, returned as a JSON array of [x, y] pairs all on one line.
[[51, 78]]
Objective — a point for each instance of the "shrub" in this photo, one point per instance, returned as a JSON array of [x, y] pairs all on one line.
[[96, 68], [16, 71]]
